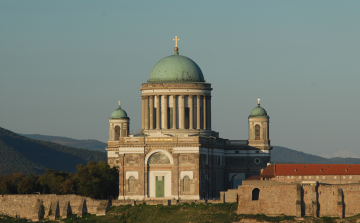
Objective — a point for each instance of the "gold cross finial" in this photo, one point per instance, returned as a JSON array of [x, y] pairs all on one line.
[[119, 103], [258, 101], [176, 39]]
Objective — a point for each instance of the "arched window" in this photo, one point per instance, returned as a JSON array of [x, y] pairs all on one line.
[[255, 194], [117, 132], [237, 181], [132, 184], [257, 132], [186, 184], [159, 158]]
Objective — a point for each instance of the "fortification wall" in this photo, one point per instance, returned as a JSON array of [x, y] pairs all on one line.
[[28, 206], [274, 198], [326, 179], [306, 199]]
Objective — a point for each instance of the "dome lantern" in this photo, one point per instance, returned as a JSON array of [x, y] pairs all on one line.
[[119, 113]]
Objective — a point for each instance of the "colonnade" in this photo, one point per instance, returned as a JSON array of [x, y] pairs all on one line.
[[191, 112]]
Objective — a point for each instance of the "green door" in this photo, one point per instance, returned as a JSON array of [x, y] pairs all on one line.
[[160, 186]]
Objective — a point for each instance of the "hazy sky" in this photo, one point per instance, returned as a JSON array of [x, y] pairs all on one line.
[[65, 64]]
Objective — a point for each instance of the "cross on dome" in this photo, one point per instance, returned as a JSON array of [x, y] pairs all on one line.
[[176, 39], [258, 101]]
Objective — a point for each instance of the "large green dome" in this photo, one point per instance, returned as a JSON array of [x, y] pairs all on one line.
[[258, 112], [119, 114], [176, 68]]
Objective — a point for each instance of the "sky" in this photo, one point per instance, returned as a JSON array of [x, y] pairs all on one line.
[[65, 64]]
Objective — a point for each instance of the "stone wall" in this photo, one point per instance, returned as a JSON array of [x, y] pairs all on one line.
[[274, 198], [326, 179], [295, 199], [29, 206]]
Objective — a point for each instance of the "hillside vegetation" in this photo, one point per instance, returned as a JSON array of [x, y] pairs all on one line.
[[65, 141], [24, 155], [94, 180]]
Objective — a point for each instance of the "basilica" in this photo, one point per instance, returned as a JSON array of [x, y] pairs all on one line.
[[177, 154]]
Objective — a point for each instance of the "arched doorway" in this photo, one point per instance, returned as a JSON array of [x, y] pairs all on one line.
[[236, 180], [159, 164]]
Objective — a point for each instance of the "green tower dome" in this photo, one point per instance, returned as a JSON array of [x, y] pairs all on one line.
[[176, 68], [259, 111], [119, 114]]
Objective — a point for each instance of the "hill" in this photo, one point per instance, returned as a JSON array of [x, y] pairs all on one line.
[[285, 155], [21, 154], [90, 144]]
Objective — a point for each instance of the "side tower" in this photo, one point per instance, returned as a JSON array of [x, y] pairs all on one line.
[[119, 124], [259, 128]]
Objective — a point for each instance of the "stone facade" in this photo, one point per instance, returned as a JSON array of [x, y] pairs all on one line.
[[193, 167]]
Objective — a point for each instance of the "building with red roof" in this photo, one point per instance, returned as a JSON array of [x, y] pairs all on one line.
[[323, 173]]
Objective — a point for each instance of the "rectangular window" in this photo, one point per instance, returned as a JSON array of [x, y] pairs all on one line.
[[187, 118], [170, 118], [154, 118]]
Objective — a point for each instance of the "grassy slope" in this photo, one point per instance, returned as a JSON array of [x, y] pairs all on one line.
[[187, 213], [184, 213], [21, 154]]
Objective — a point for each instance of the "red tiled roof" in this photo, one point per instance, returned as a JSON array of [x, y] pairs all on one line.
[[317, 169], [254, 178], [269, 172]]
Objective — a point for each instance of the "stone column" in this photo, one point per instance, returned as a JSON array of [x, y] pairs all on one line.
[[121, 177], [157, 112], [141, 175], [151, 112], [174, 111], [111, 132], [146, 112], [205, 110], [146, 185], [196, 173], [164, 113], [191, 111], [143, 112], [209, 112], [181, 111], [198, 112], [175, 176]]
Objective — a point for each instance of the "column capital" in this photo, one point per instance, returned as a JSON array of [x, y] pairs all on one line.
[[182, 96], [144, 97], [151, 96]]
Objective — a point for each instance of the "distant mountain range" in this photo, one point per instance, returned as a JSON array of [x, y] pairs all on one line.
[[21, 154], [284, 155], [35, 153], [278, 154], [82, 144]]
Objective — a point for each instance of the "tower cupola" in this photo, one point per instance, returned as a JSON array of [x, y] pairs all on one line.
[[119, 124]]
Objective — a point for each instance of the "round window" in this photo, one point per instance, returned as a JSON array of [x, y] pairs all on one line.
[[257, 160]]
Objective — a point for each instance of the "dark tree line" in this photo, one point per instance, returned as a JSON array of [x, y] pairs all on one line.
[[94, 180]]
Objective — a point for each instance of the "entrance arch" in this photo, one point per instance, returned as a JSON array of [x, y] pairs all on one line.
[[159, 164]]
